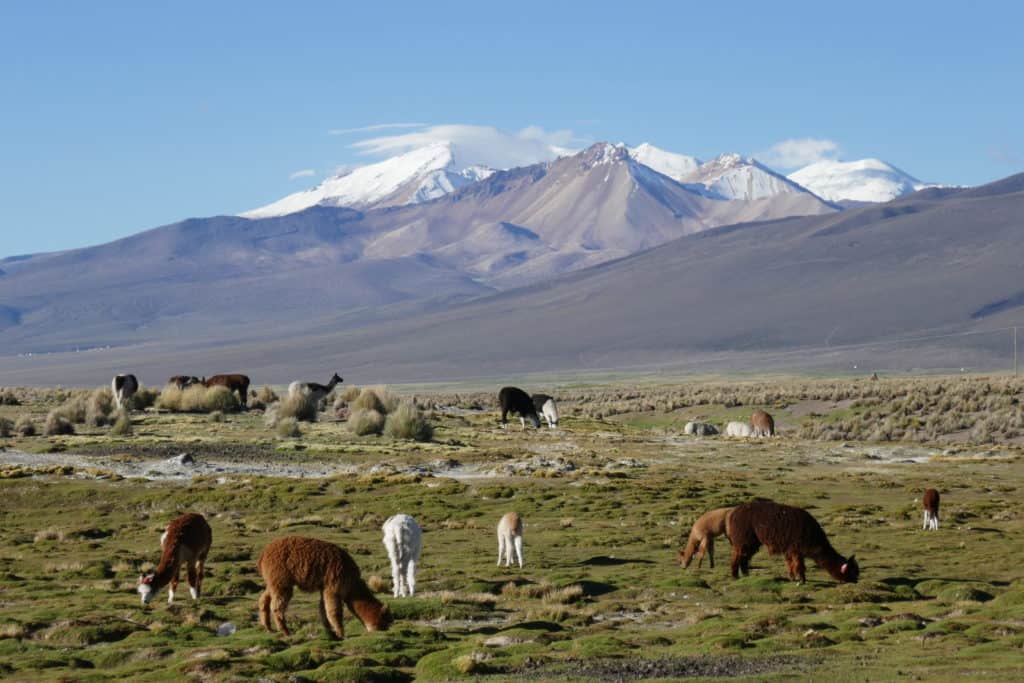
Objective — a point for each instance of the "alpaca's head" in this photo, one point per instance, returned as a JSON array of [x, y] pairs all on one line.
[[384, 620], [683, 562], [145, 588], [850, 570]]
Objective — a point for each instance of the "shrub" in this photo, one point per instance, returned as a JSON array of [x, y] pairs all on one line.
[[99, 407], [6, 427], [300, 406], [56, 424], [407, 422], [25, 426], [288, 428], [73, 410], [216, 416], [122, 425], [9, 398], [267, 395], [363, 422], [220, 398], [368, 400], [144, 398], [348, 395]]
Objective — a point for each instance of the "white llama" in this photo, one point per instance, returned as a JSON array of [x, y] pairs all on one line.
[[510, 539], [403, 538]]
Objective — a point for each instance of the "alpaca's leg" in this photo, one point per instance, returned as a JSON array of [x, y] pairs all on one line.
[[519, 549], [791, 561], [935, 521], [702, 549], [321, 608], [396, 575], [264, 609], [710, 542], [737, 559], [745, 562], [501, 548], [801, 569], [173, 585], [200, 565], [523, 421], [504, 419], [278, 605], [192, 569], [410, 577], [335, 613], [927, 521]]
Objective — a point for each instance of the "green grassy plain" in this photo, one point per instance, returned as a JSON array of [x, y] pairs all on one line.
[[606, 503]]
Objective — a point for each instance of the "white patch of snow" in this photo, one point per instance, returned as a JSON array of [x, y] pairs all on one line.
[[866, 180], [675, 166]]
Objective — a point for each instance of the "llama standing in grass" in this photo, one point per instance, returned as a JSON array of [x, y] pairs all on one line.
[[403, 539], [784, 530], [762, 423], [545, 405], [930, 502], [510, 539], [186, 541], [124, 387], [514, 400], [702, 537], [314, 565], [316, 392]]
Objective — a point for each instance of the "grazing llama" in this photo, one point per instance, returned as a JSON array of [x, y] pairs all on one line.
[[784, 530], [930, 502], [702, 537], [186, 541], [739, 429], [124, 387], [545, 405], [316, 392], [762, 423], [516, 401], [403, 539], [235, 382], [314, 565], [510, 539]]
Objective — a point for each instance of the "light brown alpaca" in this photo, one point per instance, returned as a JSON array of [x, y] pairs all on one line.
[[510, 539], [186, 541], [763, 423], [702, 537], [315, 565]]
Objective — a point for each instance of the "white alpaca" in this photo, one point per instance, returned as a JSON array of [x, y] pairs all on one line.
[[403, 538], [739, 429], [510, 539]]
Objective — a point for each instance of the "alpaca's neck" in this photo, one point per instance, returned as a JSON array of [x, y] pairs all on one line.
[[168, 566], [367, 608], [330, 385], [831, 561]]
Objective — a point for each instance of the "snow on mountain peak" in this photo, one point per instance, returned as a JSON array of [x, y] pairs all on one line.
[[864, 180], [675, 166], [730, 176], [418, 175]]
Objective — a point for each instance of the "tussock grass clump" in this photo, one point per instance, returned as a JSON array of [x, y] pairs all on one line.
[[347, 395], [144, 398], [198, 399], [407, 422], [365, 422], [369, 400], [6, 427], [288, 428], [74, 409], [216, 416], [25, 426], [300, 406], [56, 424], [122, 425], [9, 398], [50, 533], [266, 395], [99, 407]]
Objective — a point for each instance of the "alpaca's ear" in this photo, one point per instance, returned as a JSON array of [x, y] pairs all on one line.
[[146, 578]]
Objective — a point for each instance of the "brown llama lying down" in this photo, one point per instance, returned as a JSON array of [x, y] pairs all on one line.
[[930, 503], [702, 537], [315, 565], [784, 530], [186, 541]]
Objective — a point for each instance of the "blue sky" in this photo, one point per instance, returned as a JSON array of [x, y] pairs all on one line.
[[117, 117]]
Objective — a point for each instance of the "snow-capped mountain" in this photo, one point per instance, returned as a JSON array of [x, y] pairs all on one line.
[[675, 166], [867, 180], [730, 176], [417, 176]]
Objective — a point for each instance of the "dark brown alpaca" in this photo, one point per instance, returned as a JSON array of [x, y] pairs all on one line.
[[186, 541], [930, 503], [762, 423], [183, 381], [784, 530], [239, 383], [315, 565]]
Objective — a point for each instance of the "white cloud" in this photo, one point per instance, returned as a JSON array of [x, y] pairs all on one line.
[[798, 152], [483, 145], [370, 129], [304, 173]]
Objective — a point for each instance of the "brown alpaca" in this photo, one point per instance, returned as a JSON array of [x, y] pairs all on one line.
[[702, 537], [930, 503], [762, 423], [784, 530], [186, 541], [315, 565], [239, 383]]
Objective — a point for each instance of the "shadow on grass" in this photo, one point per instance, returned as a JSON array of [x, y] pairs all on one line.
[[606, 561]]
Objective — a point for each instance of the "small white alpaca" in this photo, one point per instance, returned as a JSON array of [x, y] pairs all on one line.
[[739, 429], [403, 539], [510, 539]]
